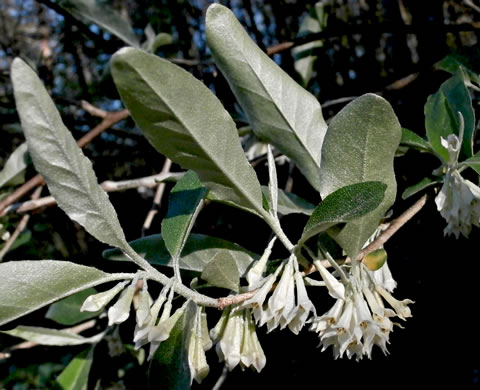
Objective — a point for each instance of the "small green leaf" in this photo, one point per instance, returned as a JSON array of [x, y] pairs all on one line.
[[67, 311], [75, 375], [186, 122], [441, 115], [420, 186], [105, 17], [412, 140], [29, 285], [14, 168], [289, 203], [360, 146], [280, 111], [455, 60], [222, 272], [343, 205], [47, 336], [185, 198], [197, 252], [68, 173], [169, 368]]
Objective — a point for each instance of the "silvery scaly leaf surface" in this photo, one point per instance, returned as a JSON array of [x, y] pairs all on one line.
[[279, 110], [186, 122], [31, 284], [67, 172], [47, 336], [360, 146]]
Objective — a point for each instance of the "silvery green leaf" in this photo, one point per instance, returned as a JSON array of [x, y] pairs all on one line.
[[184, 120], [105, 17], [279, 110], [14, 168], [46, 336], [67, 311], [441, 115], [360, 146], [185, 198], [197, 252], [222, 272], [343, 205], [68, 173], [75, 375], [473, 162], [29, 285]]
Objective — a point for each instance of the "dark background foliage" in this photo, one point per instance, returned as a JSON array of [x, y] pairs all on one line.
[[388, 47]]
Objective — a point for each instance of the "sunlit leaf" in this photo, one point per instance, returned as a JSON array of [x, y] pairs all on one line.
[[75, 375], [47, 336], [186, 122], [14, 168], [68, 173], [360, 146], [29, 285], [279, 110]]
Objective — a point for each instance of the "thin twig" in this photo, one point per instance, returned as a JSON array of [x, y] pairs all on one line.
[[20, 227], [472, 5], [157, 199], [108, 186], [329, 103], [107, 122], [94, 111]]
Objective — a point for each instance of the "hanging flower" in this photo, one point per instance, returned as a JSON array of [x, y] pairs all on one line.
[[459, 199], [236, 339], [359, 321]]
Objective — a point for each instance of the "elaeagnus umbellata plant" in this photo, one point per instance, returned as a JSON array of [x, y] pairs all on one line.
[[349, 162]]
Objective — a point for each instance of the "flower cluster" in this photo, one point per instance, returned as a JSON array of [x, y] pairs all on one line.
[[154, 327], [288, 305], [236, 340], [459, 199], [360, 320]]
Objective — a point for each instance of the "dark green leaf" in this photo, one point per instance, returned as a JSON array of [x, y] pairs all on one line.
[[31, 284], [441, 115], [14, 169], [473, 162], [360, 146], [68, 173], [67, 311], [198, 251], [289, 203], [279, 110], [105, 17], [75, 375], [343, 205], [420, 186], [452, 62], [184, 200], [46, 336], [412, 140], [183, 120], [222, 272], [169, 369]]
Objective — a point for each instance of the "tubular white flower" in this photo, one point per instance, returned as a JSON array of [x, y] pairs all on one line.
[[196, 351], [335, 288], [120, 311], [98, 301]]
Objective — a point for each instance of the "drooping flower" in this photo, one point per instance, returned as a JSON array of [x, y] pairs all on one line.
[[199, 342], [98, 301], [288, 304], [359, 321], [236, 339], [459, 199]]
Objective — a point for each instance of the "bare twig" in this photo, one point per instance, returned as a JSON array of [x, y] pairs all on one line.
[[93, 111], [333, 102], [221, 379], [157, 199], [472, 5], [108, 186], [110, 119], [20, 227]]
